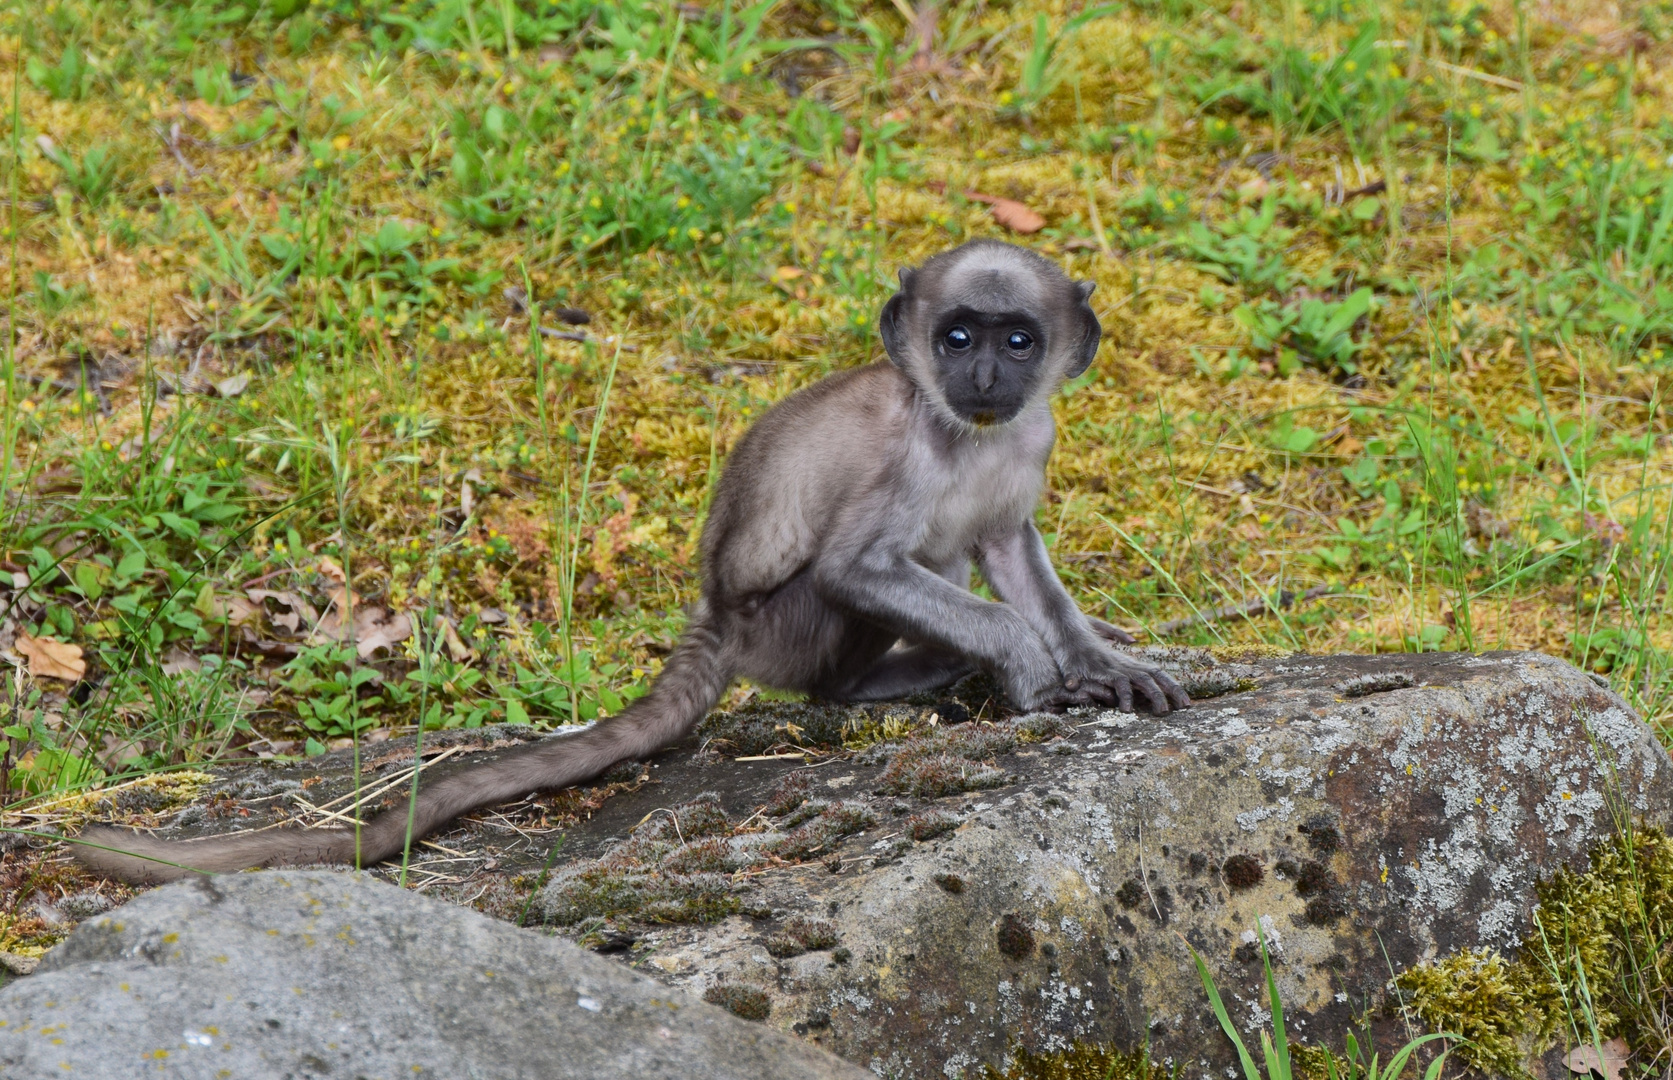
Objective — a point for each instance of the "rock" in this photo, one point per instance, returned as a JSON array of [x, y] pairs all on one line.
[[19, 965], [1365, 810], [934, 901], [297, 973]]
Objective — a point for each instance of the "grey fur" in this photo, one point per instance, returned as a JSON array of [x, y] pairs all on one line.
[[836, 560]]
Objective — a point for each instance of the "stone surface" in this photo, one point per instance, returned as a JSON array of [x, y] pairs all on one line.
[[1371, 811], [1368, 811], [315, 974]]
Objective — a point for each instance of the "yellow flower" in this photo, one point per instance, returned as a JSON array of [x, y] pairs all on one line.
[[340, 143]]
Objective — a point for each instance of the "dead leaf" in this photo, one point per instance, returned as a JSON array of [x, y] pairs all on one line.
[[49, 659], [1585, 1060], [378, 628], [241, 612], [1253, 190], [237, 384], [290, 621], [328, 566], [178, 660], [1008, 212], [456, 646]]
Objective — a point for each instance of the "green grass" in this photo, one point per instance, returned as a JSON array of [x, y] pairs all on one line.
[[1386, 291]]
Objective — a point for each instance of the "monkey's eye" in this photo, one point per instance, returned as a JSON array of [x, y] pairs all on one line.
[[958, 339], [1019, 341]]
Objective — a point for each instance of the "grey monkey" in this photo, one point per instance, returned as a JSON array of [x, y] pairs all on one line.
[[836, 559]]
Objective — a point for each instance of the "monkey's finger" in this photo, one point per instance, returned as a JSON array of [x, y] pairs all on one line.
[[1102, 693], [1112, 633], [1123, 693], [1176, 693], [1152, 693]]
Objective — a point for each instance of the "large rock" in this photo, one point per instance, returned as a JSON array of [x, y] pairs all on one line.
[[932, 902], [1367, 811], [305, 974]]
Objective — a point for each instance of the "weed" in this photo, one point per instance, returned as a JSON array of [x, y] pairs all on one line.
[[1281, 1060]]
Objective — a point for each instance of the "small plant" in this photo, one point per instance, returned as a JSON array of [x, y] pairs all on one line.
[[54, 299], [1041, 71], [93, 176], [66, 80], [1279, 1056], [1314, 332]]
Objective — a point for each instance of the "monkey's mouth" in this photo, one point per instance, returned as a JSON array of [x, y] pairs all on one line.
[[985, 418]]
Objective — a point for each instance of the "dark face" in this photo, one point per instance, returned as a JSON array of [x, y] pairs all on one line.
[[989, 364]]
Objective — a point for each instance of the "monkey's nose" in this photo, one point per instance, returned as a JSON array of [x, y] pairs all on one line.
[[984, 375]]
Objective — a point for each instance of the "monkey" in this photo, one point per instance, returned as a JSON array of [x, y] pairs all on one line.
[[836, 559]]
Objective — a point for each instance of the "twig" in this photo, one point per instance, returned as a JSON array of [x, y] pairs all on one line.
[[1472, 73], [172, 141], [1144, 876], [1224, 494], [1258, 606]]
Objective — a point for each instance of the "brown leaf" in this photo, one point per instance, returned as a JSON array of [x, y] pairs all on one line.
[[328, 566], [290, 621], [1585, 1059], [456, 646], [378, 628], [241, 612], [1008, 212], [49, 659], [178, 660]]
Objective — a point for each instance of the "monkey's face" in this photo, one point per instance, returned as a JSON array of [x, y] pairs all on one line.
[[989, 330], [988, 364]]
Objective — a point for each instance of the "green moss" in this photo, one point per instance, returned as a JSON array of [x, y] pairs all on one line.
[[1483, 997], [742, 1001], [949, 761], [1612, 919], [1081, 1061]]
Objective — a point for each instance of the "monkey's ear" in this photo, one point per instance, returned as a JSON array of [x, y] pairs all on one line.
[[1090, 330], [892, 323]]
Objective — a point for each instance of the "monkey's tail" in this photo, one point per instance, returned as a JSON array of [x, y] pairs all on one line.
[[690, 683]]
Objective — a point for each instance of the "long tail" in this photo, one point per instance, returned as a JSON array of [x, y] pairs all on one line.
[[691, 682]]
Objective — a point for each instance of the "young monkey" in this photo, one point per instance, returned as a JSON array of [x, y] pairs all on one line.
[[836, 559]]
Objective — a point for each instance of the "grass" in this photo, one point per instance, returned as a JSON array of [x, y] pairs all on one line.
[[304, 440]]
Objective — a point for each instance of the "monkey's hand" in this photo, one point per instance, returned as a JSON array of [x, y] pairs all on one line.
[[1110, 632], [1103, 676]]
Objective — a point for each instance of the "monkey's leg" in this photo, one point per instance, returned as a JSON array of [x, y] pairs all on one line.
[[904, 671], [1020, 571], [882, 586]]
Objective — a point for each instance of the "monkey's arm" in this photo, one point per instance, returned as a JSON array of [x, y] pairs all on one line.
[[1017, 566], [865, 574]]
